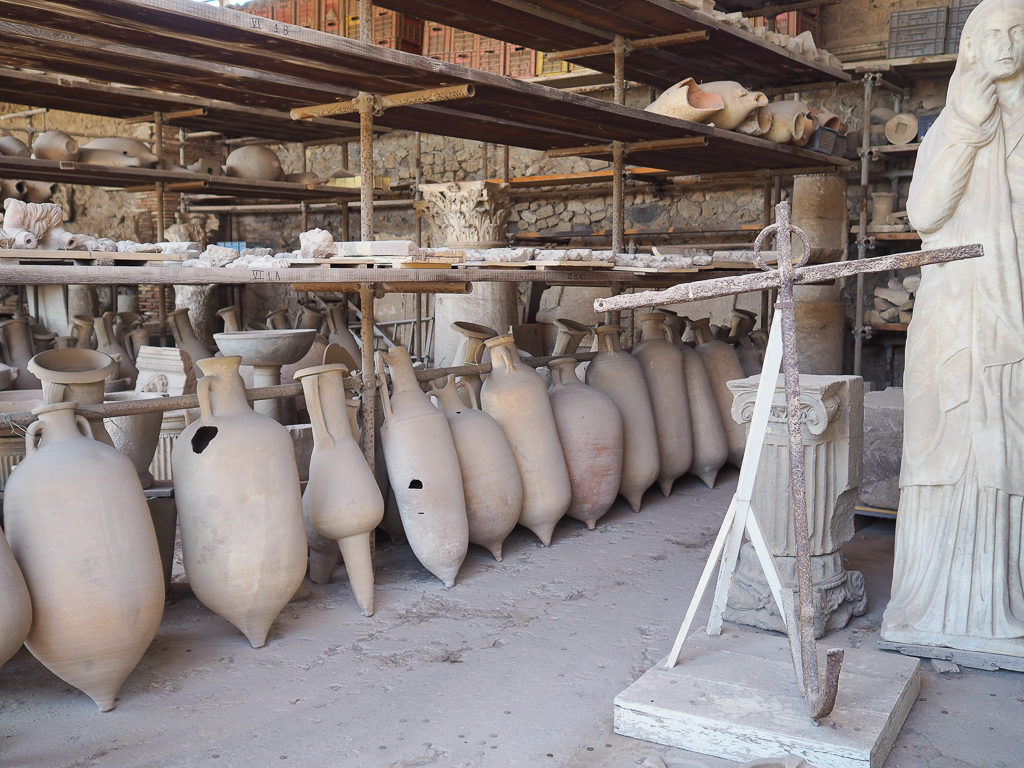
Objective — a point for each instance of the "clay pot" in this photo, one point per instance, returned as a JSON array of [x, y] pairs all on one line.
[[15, 188], [516, 396], [662, 364], [107, 342], [590, 431], [54, 145], [125, 149], [277, 320], [15, 604], [687, 101], [135, 340], [739, 103], [310, 318], [620, 376], [570, 335], [253, 162], [111, 157], [87, 548], [13, 147], [75, 375], [39, 191], [137, 435], [342, 501], [789, 122], [423, 467], [490, 477], [471, 352], [722, 365], [232, 318], [185, 338], [757, 123], [17, 348], [80, 328], [342, 336], [239, 509]]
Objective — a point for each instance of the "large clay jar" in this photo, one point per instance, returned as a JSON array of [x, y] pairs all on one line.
[[16, 343], [14, 147], [662, 364], [490, 477], [15, 604], [342, 501], [185, 338], [108, 343], [54, 145], [722, 365], [471, 352], [423, 467], [340, 334], [80, 329], [590, 430], [239, 509], [516, 396], [789, 122], [86, 545], [739, 103], [78, 375], [232, 318], [131, 151], [687, 101], [254, 162], [620, 376]]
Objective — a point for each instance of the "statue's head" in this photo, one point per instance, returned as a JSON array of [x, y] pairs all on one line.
[[993, 39]]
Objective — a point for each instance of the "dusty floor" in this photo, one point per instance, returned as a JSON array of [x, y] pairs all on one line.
[[517, 665]]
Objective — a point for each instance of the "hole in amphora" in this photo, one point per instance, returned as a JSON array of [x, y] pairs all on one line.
[[416, 485], [202, 438]]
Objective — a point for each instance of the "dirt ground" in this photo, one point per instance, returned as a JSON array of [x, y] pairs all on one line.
[[517, 665]]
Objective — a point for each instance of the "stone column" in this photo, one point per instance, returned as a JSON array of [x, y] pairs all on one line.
[[469, 214], [832, 411]]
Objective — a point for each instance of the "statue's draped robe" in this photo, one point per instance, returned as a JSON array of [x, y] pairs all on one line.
[[958, 570]]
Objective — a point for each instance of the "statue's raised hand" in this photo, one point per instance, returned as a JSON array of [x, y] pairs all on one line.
[[978, 101]]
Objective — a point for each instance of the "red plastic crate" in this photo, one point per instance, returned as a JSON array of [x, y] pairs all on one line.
[[307, 13], [491, 56], [332, 16], [520, 61], [462, 58], [284, 11], [389, 24], [262, 8], [793, 23], [464, 41], [437, 38], [399, 45]]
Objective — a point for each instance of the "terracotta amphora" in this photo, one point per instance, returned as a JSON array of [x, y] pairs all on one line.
[[722, 365], [619, 375], [236, 487], [662, 364], [232, 318], [54, 145], [570, 336], [342, 501], [9, 145], [254, 162], [687, 101], [80, 329], [108, 343], [17, 348], [710, 446], [739, 103], [423, 467], [15, 604], [790, 120], [135, 340], [131, 151], [490, 477], [75, 374], [342, 336], [471, 352], [516, 396], [277, 320], [185, 338], [591, 433], [87, 548]]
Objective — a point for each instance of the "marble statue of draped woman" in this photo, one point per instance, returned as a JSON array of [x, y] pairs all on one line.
[[958, 576]]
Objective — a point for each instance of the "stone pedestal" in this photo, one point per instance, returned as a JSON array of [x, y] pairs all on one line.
[[469, 214], [883, 448], [832, 412]]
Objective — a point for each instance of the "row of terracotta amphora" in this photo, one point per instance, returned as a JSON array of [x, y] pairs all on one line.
[[506, 450], [81, 583]]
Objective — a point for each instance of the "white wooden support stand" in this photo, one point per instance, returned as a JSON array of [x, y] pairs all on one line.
[[739, 517]]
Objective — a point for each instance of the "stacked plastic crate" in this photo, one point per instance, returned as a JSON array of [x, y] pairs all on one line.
[[921, 32], [959, 10], [468, 49]]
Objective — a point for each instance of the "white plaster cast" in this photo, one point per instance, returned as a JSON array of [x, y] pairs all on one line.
[[958, 579]]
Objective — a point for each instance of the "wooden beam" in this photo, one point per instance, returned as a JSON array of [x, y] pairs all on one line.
[[638, 146], [661, 41]]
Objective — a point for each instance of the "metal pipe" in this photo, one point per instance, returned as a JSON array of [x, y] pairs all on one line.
[[158, 150], [367, 296], [661, 41], [365, 164], [618, 197], [408, 98], [619, 49], [862, 222]]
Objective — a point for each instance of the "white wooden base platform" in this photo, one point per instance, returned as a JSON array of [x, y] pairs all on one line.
[[734, 696], [965, 658]]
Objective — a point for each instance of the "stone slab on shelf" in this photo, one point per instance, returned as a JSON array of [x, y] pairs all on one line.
[[735, 696], [972, 659]]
